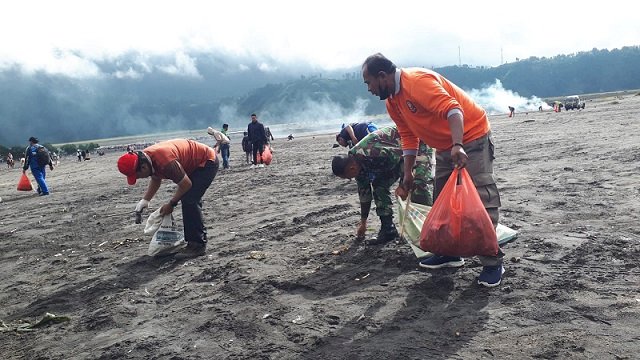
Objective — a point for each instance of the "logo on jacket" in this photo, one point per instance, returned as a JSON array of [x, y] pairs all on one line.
[[411, 107]]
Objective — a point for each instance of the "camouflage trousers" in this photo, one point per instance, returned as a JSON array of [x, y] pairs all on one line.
[[379, 190], [423, 174]]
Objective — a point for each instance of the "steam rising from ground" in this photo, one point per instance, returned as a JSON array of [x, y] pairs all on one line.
[[496, 100], [325, 116]]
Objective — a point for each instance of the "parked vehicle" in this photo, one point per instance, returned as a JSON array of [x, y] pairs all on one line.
[[573, 103]]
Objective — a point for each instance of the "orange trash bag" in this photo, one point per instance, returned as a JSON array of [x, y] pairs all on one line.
[[24, 184], [267, 156], [458, 224]]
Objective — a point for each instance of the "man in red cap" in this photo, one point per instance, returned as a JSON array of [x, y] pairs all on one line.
[[189, 164]]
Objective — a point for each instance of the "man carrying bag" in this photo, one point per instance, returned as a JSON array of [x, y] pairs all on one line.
[[189, 164]]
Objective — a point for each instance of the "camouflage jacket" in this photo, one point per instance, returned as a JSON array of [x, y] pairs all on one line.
[[379, 154]]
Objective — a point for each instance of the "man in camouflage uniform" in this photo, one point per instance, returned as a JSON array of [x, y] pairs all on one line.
[[376, 162]]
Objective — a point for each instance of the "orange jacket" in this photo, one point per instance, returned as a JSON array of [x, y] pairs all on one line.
[[421, 106], [188, 153]]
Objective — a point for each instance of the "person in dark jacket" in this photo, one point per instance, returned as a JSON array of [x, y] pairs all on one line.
[[268, 135], [350, 134], [37, 169], [246, 147], [257, 137]]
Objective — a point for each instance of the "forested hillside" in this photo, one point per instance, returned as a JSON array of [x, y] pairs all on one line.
[[586, 72]]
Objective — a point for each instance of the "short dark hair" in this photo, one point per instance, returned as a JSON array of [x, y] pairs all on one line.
[[254, 114], [343, 134], [378, 62], [141, 160], [225, 125], [339, 164], [33, 140]]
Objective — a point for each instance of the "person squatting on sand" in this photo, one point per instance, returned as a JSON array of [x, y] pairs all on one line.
[[192, 166], [350, 134], [428, 107], [38, 169], [376, 162]]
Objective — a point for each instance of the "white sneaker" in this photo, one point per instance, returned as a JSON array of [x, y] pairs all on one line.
[[253, 166], [261, 165]]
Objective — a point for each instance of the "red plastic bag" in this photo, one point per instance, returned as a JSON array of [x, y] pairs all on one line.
[[458, 224], [24, 184], [267, 156]]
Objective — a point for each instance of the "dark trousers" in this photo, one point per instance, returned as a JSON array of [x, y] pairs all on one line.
[[257, 147], [201, 178]]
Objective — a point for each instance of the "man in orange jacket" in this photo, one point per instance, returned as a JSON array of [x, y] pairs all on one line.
[[426, 106]]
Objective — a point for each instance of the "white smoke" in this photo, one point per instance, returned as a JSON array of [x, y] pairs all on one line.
[[495, 99], [321, 116], [301, 118]]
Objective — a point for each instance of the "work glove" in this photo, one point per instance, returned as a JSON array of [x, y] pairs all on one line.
[[142, 204]]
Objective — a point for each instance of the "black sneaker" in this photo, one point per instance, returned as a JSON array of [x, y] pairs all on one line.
[[384, 236], [438, 261], [193, 249]]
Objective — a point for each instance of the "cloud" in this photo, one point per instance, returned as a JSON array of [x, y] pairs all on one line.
[[184, 66], [263, 66], [332, 34], [62, 62], [128, 74]]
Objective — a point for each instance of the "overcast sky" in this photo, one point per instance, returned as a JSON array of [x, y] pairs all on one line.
[[64, 36]]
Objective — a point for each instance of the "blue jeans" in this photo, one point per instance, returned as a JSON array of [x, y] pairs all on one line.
[[39, 173], [224, 149]]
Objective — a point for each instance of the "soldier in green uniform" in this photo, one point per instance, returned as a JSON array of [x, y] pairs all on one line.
[[376, 163]]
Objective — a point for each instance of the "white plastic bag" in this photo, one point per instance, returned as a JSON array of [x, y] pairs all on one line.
[[153, 222], [168, 239]]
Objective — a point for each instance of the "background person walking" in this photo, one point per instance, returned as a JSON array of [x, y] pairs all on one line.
[[257, 137], [37, 161], [225, 147]]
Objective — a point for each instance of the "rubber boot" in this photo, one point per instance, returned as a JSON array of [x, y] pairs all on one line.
[[387, 231]]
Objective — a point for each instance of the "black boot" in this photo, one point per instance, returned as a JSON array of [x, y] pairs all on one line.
[[387, 231]]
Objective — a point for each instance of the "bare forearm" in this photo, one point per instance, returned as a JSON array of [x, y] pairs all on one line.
[[409, 163], [456, 125], [154, 185]]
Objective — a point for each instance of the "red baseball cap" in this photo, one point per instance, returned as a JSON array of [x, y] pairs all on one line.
[[127, 164]]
